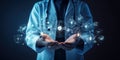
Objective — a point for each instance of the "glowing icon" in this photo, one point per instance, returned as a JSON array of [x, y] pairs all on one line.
[[41, 33], [48, 22], [80, 18], [59, 28], [96, 24], [86, 26], [78, 34], [68, 29], [71, 22], [101, 37], [90, 38]]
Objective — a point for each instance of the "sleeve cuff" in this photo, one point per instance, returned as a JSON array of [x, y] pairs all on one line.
[[31, 42]]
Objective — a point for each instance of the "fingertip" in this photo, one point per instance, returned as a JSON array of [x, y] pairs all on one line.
[[78, 34]]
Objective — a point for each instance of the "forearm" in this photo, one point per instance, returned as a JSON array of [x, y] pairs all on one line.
[[87, 39]]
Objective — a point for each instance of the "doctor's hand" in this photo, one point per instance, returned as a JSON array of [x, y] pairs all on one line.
[[70, 42], [50, 42]]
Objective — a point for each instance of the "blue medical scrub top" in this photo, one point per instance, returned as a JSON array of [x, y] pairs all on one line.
[[61, 6]]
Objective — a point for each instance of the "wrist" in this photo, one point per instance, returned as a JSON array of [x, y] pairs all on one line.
[[41, 43]]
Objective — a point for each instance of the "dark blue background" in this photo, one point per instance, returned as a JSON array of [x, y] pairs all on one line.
[[13, 13]]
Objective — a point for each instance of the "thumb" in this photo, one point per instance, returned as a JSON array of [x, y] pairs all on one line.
[[75, 36]]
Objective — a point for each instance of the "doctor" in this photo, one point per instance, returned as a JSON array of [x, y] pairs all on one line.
[[60, 29]]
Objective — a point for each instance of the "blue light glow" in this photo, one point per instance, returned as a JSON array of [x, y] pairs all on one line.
[[80, 18], [101, 37], [59, 28], [19, 38]]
